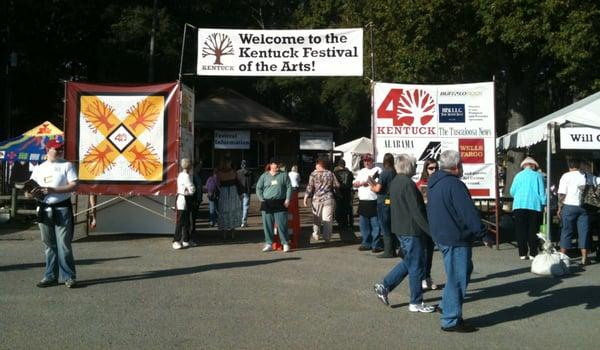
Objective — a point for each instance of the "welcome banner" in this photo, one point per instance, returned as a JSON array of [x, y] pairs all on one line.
[[323, 52], [123, 139], [425, 120]]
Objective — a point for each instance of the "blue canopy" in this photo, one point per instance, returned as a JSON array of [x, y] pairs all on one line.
[[30, 146]]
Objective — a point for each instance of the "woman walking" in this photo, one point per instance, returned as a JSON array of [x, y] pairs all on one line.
[[320, 190], [429, 167], [230, 209]]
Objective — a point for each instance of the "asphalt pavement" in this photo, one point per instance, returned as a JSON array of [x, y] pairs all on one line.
[[136, 292]]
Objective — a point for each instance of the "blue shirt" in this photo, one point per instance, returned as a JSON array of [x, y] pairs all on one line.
[[528, 191]]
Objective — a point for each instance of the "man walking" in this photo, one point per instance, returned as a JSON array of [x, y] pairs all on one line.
[[55, 179], [244, 176], [343, 198], [274, 191], [454, 224]]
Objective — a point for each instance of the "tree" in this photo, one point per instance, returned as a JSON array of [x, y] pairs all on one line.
[[217, 45]]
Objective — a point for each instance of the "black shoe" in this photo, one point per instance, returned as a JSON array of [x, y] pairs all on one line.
[[377, 250], [362, 248], [46, 283], [461, 327]]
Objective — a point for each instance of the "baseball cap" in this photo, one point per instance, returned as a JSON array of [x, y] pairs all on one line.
[[54, 143], [367, 157]]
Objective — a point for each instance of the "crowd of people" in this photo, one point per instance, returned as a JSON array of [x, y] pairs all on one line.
[[397, 217]]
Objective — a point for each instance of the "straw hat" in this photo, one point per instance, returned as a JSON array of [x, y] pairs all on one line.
[[529, 160]]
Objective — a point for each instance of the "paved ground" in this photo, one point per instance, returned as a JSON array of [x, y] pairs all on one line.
[[136, 292]]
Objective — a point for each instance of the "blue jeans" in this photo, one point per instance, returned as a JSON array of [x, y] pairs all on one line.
[[268, 221], [369, 230], [385, 220], [573, 215], [57, 234], [212, 211], [411, 265], [458, 266], [245, 207]]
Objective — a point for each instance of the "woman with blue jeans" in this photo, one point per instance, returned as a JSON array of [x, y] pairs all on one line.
[[570, 211], [409, 224], [383, 206]]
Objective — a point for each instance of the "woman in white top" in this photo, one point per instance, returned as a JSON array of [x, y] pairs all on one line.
[[185, 193], [570, 211], [294, 178]]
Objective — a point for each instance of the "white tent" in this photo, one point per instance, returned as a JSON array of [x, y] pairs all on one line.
[[353, 150], [585, 112]]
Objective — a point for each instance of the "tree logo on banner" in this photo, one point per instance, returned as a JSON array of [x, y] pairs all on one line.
[[407, 105], [217, 44], [122, 138]]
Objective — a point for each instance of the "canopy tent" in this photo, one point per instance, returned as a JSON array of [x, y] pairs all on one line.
[[585, 112], [353, 150], [30, 146]]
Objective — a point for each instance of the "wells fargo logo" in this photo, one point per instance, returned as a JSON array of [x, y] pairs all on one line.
[[407, 106], [218, 45], [121, 137]]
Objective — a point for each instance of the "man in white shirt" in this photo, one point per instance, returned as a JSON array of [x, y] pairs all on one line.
[[570, 211], [56, 178], [367, 206]]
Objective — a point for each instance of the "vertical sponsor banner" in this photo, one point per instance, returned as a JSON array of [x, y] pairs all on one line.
[[186, 127], [425, 120], [123, 139], [321, 52]]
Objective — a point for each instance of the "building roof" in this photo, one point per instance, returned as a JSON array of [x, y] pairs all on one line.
[[232, 110]]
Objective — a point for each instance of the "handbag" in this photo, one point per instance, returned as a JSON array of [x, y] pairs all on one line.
[[590, 196]]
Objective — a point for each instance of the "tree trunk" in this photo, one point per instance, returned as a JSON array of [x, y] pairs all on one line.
[[517, 108]]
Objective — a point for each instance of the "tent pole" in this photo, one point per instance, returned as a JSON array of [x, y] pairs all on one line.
[[550, 131]]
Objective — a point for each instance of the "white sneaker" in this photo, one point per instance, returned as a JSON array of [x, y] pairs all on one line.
[[421, 308], [428, 283], [185, 244], [176, 245], [286, 248], [267, 248], [315, 236]]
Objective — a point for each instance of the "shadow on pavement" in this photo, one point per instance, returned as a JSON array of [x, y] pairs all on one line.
[[180, 271], [77, 262], [501, 274], [546, 302]]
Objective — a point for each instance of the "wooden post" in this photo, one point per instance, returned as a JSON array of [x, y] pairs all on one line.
[[13, 203]]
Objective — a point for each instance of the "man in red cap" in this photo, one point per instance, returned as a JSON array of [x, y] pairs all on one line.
[[56, 179]]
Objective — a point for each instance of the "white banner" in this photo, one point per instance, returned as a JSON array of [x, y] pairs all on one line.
[[579, 138], [225, 139], [318, 141], [322, 52], [186, 130], [425, 120]]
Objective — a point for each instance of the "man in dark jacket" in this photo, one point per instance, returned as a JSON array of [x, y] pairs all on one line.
[[245, 179], [454, 224], [409, 224], [343, 197]]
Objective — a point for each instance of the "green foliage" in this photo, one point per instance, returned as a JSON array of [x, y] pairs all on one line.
[[543, 53]]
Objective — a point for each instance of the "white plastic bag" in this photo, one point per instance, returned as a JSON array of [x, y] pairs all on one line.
[[550, 262]]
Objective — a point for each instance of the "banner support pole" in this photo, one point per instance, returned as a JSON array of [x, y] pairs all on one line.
[[183, 48]]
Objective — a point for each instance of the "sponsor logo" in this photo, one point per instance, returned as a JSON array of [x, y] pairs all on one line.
[[471, 151], [452, 113], [462, 93], [408, 107], [432, 151]]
